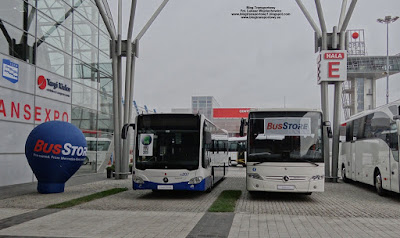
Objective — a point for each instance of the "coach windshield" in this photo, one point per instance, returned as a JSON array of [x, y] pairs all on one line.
[[168, 142], [285, 137]]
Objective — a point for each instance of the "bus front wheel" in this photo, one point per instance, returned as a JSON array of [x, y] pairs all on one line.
[[378, 183]]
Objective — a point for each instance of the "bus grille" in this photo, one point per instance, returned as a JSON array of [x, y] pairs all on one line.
[[291, 178]]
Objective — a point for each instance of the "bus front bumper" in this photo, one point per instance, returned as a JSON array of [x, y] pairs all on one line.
[[202, 186], [281, 186]]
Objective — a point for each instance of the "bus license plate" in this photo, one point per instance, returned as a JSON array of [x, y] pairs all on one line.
[[286, 187], [165, 187]]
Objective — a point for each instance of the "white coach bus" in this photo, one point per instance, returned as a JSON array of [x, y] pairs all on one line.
[[285, 151], [178, 152], [370, 153]]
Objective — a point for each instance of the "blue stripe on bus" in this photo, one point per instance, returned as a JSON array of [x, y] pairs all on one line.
[[202, 186]]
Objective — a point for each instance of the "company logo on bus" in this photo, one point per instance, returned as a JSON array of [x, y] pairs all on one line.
[[146, 140], [287, 126], [67, 149]]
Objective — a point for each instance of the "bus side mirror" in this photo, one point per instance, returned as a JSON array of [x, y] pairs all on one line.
[[242, 124], [125, 129]]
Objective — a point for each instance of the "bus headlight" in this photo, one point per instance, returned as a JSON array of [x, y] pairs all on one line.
[[137, 179], [317, 177], [255, 176], [196, 180]]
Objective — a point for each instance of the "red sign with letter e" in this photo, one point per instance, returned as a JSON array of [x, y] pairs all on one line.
[[332, 66]]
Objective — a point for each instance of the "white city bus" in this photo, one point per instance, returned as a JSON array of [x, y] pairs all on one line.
[[285, 151], [370, 153], [237, 151], [178, 152]]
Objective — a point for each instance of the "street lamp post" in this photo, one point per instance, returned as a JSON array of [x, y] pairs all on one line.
[[387, 20]]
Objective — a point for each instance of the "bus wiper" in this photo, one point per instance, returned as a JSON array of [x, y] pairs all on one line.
[[309, 161], [261, 153]]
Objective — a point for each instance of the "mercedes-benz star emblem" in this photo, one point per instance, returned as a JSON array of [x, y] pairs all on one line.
[[165, 180], [285, 178]]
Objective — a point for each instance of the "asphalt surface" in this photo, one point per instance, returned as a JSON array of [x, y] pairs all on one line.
[[343, 210]]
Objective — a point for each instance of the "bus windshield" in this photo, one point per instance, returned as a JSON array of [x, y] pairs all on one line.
[[285, 137], [174, 143]]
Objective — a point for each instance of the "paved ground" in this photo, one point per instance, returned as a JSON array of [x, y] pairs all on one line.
[[343, 210]]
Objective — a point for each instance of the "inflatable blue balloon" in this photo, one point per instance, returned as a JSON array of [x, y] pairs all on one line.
[[55, 151]]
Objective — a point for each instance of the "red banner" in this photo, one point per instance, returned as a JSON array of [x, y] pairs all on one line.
[[231, 112]]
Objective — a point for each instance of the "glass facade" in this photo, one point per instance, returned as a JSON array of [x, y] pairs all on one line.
[[65, 41]]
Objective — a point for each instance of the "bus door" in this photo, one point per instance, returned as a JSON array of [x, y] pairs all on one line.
[[393, 140]]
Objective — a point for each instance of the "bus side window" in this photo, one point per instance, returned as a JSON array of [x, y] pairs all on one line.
[[214, 146], [361, 125], [221, 146], [358, 128], [380, 125], [349, 131], [367, 127]]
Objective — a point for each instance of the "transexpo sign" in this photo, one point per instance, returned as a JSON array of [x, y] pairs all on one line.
[[332, 66]]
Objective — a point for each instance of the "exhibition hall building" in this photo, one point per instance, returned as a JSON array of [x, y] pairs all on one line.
[[56, 65]]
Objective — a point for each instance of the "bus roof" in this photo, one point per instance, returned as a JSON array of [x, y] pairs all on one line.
[[385, 108], [284, 110]]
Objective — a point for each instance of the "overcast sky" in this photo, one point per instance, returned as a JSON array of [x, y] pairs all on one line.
[[196, 47]]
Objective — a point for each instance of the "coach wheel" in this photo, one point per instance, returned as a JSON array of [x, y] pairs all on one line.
[[230, 162], [344, 178], [308, 194], [378, 183]]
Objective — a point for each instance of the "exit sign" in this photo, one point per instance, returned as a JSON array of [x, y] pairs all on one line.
[[332, 66]]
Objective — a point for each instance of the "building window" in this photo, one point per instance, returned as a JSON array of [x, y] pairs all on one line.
[[85, 74], [84, 96], [54, 60], [57, 10], [17, 43]]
